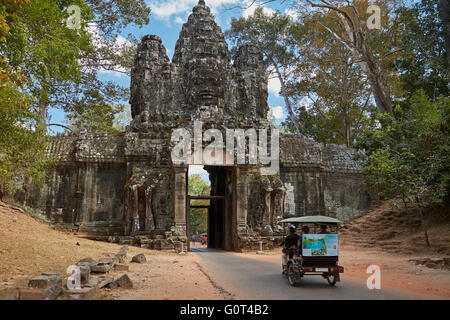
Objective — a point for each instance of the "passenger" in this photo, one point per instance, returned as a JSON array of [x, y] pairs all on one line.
[[323, 229], [292, 241]]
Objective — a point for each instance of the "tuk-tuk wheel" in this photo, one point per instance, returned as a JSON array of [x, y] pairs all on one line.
[[291, 275], [331, 278]]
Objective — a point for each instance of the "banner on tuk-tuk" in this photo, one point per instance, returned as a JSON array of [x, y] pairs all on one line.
[[325, 245]]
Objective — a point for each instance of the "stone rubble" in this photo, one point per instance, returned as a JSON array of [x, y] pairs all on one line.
[[49, 286], [139, 258]]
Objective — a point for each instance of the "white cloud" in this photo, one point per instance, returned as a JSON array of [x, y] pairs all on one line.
[[98, 41], [292, 13], [276, 113], [252, 7], [179, 20], [165, 9], [274, 86], [113, 73]]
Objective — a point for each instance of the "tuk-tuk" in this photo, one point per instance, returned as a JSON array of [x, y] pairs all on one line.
[[319, 251]]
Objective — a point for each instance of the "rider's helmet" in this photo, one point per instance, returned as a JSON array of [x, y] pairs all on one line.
[[292, 228]]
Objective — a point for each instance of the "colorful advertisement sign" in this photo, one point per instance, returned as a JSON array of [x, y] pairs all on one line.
[[325, 245]]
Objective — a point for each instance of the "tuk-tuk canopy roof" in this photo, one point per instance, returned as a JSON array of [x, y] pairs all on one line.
[[312, 219]]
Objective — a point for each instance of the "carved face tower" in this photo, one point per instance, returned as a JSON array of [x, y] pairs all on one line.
[[202, 54], [200, 77]]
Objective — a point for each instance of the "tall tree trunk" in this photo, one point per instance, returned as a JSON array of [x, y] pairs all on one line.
[[378, 83], [43, 105], [355, 41], [424, 224], [287, 101]]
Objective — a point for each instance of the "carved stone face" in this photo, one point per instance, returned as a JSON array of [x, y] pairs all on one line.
[[205, 84]]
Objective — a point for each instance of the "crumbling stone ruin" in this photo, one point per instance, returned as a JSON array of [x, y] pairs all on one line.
[[125, 187], [84, 278]]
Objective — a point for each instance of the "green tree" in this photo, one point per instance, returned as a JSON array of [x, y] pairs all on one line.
[[330, 88], [199, 216], [64, 62], [44, 63], [22, 140], [408, 158], [423, 63]]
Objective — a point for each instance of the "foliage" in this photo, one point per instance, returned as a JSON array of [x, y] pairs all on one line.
[[22, 140], [63, 62], [423, 62], [44, 64], [330, 89], [199, 217], [408, 156]]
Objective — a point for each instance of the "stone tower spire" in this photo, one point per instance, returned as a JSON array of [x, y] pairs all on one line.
[[200, 82], [202, 56]]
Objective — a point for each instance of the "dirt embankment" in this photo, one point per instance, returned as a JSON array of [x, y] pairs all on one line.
[[29, 247], [401, 231]]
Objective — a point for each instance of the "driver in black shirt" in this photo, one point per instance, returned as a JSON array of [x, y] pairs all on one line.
[[292, 240]]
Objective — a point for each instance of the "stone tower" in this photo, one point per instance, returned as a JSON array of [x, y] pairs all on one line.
[[200, 82]]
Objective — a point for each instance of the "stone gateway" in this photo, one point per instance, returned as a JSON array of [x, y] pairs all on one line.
[[124, 187]]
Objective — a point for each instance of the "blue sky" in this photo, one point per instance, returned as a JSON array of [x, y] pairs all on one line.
[[166, 20]]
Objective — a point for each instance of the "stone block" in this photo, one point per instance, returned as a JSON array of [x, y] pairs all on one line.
[[123, 282], [103, 282], [82, 293], [51, 293], [139, 258], [101, 267], [31, 294], [121, 267], [85, 273], [121, 255], [45, 281], [87, 261]]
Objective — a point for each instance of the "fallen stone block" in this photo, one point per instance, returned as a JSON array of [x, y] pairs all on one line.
[[93, 283], [121, 255], [31, 294], [46, 281], [103, 282], [121, 267], [139, 258], [9, 294], [88, 261], [51, 293], [101, 267], [85, 273], [122, 281], [107, 260], [82, 293]]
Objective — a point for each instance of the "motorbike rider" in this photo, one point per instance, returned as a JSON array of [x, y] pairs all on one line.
[[292, 241]]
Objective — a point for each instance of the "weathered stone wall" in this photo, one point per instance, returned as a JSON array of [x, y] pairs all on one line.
[[326, 180], [85, 186]]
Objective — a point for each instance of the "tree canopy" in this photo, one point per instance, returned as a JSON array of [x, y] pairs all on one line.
[[47, 63]]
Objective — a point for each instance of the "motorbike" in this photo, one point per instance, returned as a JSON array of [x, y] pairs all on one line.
[[319, 252]]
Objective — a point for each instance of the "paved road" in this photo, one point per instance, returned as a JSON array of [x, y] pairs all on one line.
[[252, 279]]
